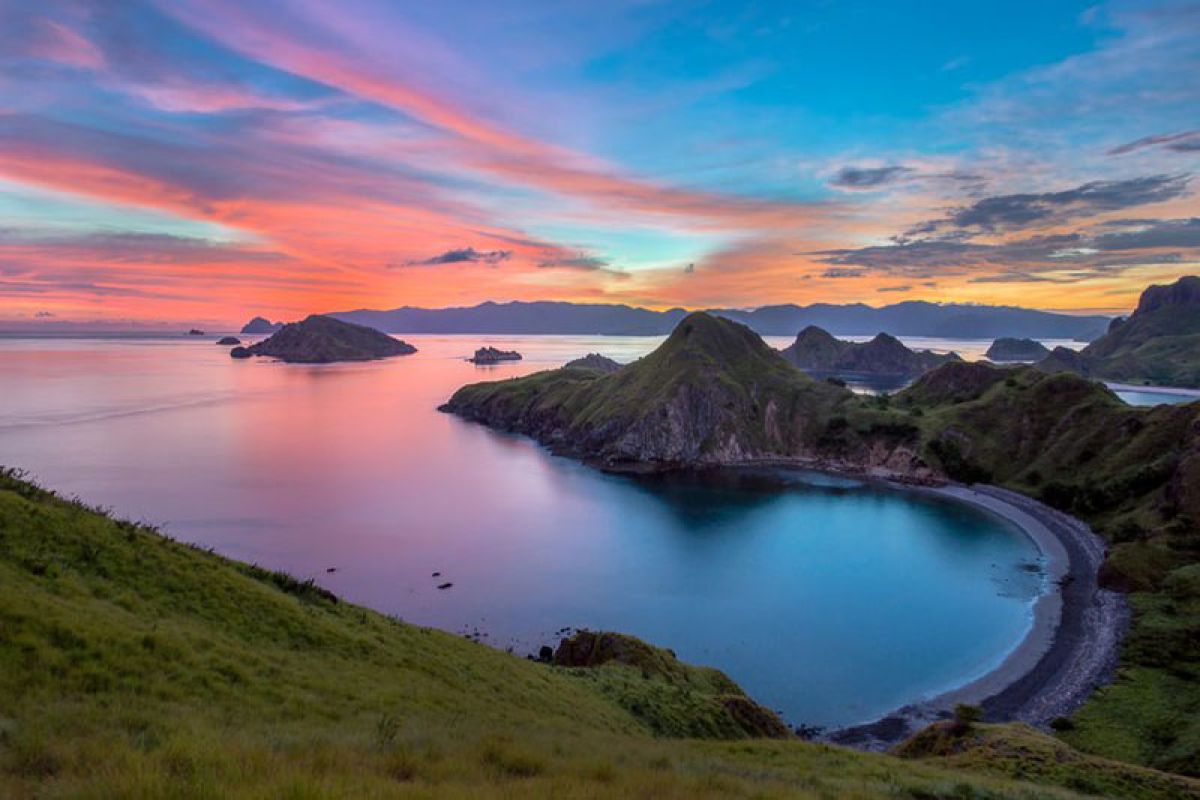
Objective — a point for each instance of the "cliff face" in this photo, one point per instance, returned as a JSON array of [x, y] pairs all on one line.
[[714, 392], [321, 340], [1158, 344], [817, 351]]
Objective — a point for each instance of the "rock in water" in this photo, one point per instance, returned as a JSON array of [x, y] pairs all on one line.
[[490, 355], [195, 332], [323, 340], [261, 325], [229, 340], [1009, 349]]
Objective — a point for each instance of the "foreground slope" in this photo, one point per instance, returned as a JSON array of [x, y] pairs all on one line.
[[131, 665], [713, 396]]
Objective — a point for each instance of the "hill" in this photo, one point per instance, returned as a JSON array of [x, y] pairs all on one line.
[[1158, 344], [135, 666], [901, 319], [819, 352], [260, 325], [322, 340], [1010, 349], [713, 393]]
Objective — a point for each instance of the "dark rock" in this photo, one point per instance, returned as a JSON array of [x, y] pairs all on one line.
[[445, 585], [322, 340], [1008, 349], [436, 575], [816, 351], [490, 355], [594, 362], [546, 654], [240, 352], [228, 340], [260, 325], [195, 332]]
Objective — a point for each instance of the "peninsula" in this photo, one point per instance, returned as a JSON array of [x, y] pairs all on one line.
[[715, 394]]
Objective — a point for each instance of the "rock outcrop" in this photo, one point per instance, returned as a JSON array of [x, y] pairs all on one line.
[[490, 355], [322, 340], [1009, 349], [261, 325], [228, 341], [594, 362], [816, 351]]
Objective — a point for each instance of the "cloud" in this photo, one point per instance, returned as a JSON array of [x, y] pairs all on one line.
[[1185, 142], [465, 255], [902, 288], [855, 179], [1012, 212], [839, 272], [580, 262]]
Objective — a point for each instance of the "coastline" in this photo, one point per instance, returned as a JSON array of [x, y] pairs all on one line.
[[1071, 649]]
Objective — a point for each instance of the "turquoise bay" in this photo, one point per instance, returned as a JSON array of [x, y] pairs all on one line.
[[830, 600]]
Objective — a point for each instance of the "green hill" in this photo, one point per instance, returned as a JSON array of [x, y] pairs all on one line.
[[714, 393], [817, 351], [135, 666], [1159, 344]]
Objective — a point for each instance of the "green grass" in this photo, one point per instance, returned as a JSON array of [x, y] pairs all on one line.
[[135, 666]]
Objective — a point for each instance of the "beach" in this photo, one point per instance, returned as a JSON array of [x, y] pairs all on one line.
[[1072, 646]]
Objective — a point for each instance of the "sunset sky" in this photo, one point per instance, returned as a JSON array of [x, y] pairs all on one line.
[[200, 161]]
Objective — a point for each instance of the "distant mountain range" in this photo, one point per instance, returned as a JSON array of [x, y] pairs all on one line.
[[914, 318]]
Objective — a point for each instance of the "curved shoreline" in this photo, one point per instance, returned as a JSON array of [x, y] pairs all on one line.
[[1071, 649]]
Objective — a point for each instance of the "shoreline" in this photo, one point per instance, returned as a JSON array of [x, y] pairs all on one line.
[[1071, 649]]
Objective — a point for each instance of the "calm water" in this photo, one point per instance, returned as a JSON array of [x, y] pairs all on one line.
[[829, 600]]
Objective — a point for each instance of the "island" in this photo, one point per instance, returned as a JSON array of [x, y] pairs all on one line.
[[594, 362], [490, 355], [817, 352], [1009, 349], [323, 340], [1158, 344], [261, 325], [195, 332], [1065, 455], [229, 340]]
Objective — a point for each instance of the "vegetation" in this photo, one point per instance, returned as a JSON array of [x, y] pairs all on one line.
[[1159, 344], [815, 350], [1133, 473], [320, 340], [135, 666]]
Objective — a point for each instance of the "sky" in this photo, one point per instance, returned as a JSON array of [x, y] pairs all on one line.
[[164, 161]]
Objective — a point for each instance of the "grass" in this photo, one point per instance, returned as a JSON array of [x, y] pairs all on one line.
[[714, 392], [135, 666]]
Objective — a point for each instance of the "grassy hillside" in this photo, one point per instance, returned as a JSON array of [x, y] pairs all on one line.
[[1133, 473], [134, 666]]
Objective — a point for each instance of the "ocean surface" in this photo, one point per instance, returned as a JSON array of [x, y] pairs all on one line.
[[830, 600]]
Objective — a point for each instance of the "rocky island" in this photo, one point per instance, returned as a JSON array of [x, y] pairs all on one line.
[[228, 341], [490, 355], [715, 394], [1009, 349], [322, 340], [261, 325], [1158, 344], [818, 352]]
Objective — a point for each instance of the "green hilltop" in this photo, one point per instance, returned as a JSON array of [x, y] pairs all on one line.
[[135, 666], [714, 393], [1159, 344]]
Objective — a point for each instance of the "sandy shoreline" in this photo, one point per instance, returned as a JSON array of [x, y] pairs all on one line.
[[1070, 650]]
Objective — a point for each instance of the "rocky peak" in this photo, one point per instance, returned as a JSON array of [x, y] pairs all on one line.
[[1185, 292]]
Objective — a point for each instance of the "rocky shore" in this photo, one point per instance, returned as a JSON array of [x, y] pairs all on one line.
[[1070, 651]]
